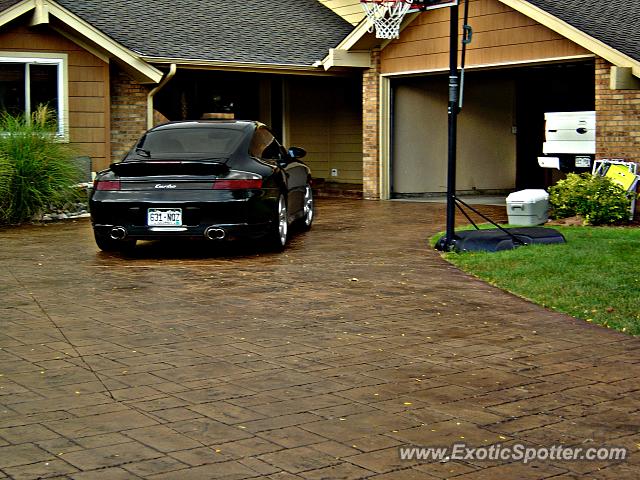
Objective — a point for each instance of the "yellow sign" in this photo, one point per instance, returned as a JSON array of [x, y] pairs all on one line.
[[621, 175]]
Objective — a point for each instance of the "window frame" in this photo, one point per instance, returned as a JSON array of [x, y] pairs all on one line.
[[254, 141], [61, 60]]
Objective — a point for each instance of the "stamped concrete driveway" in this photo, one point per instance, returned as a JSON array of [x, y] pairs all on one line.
[[319, 363]]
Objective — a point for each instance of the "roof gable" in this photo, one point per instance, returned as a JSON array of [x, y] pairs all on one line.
[[613, 22], [43, 9], [610, 29], [501, 36]]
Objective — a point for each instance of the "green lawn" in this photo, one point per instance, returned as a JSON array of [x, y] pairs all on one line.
[[595, 276]]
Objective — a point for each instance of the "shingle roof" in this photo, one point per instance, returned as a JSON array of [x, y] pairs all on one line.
[[614, 22], [4, 4], [288, 32], [293, 32]]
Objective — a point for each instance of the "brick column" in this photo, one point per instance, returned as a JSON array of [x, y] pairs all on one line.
[[618, 118], [371, 128], [128, 112]]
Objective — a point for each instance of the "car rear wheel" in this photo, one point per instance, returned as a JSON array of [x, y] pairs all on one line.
[[279, 233], [108, 244]]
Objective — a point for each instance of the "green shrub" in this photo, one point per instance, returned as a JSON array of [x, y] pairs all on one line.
[[597, 199], [36, 171]]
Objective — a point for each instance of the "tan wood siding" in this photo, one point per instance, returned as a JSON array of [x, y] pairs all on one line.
[[87, 119], [88, 87], [350, 10], [325, 118], [500, 36]]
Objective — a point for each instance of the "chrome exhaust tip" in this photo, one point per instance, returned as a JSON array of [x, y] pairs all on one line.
[[118, 233], [214, 233]]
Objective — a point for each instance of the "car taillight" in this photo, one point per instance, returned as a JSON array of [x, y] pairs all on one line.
[[106, 185], [237, 184]]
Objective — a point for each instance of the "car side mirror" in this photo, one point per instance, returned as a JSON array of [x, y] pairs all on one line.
[[297, 152]]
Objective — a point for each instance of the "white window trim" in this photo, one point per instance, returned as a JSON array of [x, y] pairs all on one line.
[[40, 58]]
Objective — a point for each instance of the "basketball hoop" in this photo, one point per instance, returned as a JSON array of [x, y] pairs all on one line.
[[385, 16]]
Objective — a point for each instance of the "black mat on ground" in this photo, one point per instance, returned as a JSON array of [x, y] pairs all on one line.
[[494, 240]]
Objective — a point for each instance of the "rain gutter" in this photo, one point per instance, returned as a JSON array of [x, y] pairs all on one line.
[[172, 71]]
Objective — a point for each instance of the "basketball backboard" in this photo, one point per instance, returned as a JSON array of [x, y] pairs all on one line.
[[432, 4]]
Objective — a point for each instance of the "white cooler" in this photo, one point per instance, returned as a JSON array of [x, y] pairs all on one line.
[[528, 207]]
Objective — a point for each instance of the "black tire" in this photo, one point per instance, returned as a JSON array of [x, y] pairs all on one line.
[[309, 209], [279, 231], [108, 244]]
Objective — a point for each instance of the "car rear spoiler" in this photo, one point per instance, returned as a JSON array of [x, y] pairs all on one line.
[[151, 168]]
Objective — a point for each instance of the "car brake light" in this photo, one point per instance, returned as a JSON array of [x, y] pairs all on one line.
[[237, 184], [107, 185]]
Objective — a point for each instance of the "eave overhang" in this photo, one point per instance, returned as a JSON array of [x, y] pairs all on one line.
[[348, 53], [200, 64]]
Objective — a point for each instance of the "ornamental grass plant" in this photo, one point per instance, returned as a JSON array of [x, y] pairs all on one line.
[[6, 178], [36, 168]]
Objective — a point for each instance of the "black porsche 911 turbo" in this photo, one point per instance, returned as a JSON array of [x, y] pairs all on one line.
[[216, 180]]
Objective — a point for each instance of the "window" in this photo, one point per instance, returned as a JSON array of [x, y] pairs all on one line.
[[215, 142], [265, 146], [27, 82]]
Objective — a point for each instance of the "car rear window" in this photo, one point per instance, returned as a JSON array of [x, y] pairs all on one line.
[[209, 142]]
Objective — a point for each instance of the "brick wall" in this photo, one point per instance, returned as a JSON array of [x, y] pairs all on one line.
[[618, 117], [128, 112], [371, 128]]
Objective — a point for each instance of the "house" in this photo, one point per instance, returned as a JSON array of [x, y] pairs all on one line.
[[113, 69], [370, 112], [526, 58]]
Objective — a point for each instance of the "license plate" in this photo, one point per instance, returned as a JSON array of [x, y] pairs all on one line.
[[164, 217], [583, 162]]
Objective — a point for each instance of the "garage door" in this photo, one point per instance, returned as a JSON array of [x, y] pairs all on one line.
[[486, 139]]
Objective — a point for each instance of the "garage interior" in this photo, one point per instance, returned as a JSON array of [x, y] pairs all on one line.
[[322, 114], [500, 128]]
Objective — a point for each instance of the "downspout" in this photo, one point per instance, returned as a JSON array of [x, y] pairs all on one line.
[[172, 71]]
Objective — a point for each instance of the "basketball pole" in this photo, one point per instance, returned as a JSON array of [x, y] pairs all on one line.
[[453, 110]]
